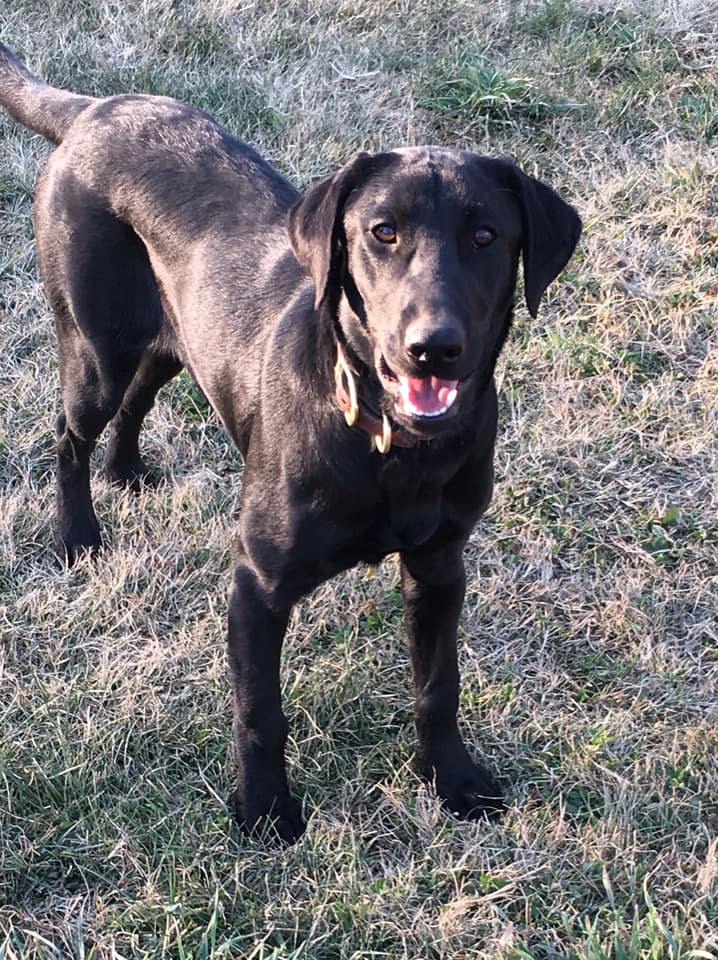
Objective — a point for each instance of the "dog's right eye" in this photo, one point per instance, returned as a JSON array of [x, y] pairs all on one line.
[[483, 237], [384, 232]]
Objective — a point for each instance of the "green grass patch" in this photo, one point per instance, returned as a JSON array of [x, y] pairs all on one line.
[[477, 92]]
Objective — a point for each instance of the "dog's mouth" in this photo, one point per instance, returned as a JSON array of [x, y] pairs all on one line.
[[419, 398]]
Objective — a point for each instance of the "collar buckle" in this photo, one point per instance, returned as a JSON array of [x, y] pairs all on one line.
[[382, 441], [344, 373]]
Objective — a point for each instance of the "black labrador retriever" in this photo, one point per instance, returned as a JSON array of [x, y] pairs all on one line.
[[346, 338]]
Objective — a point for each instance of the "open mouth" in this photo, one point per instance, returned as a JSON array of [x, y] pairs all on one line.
[[419, 397]]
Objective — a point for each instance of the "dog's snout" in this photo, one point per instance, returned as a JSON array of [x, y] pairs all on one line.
[[434, 345]]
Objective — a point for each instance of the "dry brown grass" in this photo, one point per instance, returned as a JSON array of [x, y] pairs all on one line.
[[589, 641]]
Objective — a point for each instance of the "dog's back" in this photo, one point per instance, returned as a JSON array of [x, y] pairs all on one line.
[[165, 148]]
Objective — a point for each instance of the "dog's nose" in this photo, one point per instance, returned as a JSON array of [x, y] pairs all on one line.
[[434, 345]]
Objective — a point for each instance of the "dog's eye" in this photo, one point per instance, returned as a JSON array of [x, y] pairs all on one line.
[[483, 237], [384, 232]]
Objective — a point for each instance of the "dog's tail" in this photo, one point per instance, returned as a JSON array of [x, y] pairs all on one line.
[[33, 103]]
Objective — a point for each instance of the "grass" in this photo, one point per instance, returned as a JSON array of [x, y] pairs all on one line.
[[480, 91], [588, 645]]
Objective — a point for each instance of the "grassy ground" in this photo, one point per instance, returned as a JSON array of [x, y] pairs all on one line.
[[589, 640]]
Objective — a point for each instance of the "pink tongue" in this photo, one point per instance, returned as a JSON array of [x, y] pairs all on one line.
[[426, 395]]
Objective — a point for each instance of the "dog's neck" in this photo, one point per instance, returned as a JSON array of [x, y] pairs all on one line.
[[352, 335], [352, 331]]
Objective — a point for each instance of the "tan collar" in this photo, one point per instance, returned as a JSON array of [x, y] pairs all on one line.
[[382, 433]]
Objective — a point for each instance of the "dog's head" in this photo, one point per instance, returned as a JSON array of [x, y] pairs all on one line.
[[416, 251]]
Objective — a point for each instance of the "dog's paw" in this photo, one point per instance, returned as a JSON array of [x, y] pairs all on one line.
[[281, 820], [78, 541], [466, 789], [131, 476], [474, 797]]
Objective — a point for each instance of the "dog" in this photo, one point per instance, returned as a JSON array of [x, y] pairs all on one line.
[[346, 338]]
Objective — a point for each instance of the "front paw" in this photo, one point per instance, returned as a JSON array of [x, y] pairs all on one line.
[[278, 818]]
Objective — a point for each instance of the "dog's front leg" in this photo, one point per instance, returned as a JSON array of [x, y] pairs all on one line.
[[257, 622], [433, 583]]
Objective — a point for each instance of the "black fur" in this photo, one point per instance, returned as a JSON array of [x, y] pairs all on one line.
[[165, 242]]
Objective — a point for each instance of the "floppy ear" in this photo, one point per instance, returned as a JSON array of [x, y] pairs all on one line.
[[551, 229], [315, 220]]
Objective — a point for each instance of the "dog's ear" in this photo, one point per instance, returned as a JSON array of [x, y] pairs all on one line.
[[315, 221], [551, 229]]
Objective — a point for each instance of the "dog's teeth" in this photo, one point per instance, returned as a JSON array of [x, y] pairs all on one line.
[[416, 412]]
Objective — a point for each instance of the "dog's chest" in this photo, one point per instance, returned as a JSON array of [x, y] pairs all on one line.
[[410, 510]]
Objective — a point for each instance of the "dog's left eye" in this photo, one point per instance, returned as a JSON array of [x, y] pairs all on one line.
[[384, 232], [483, 237]]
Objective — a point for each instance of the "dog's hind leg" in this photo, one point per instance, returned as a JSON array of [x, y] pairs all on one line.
[[107, 313], [123, 463], [91, 395]]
